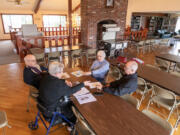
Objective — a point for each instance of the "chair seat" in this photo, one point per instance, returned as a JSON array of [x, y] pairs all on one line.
[[141, 88], [166, 103], [3, 119]]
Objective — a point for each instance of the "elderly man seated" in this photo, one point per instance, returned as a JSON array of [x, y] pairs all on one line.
[[32, 71], [100, 67], [53, 88], [126, 85]]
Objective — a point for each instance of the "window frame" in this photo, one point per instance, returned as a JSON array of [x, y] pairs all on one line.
[[13, 14], [53, 15]]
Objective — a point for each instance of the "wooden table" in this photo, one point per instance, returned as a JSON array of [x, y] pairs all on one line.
[[65, 48], [169, 57], [111, 115], [161, 78]]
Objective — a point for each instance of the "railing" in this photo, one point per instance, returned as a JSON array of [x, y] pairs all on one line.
[[24, 44], [135, 35]]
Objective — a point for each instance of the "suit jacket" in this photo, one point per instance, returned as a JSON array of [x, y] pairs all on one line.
[[126, 85], [32, 78], [52, 89]]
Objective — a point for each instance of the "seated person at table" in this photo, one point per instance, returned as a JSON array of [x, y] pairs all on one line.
[[53, 88], [100, 67], [126, 85], [32, 71]]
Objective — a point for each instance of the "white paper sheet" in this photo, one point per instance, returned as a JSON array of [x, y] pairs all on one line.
[[78, 73], [87, 98], [83, 91], [93, 85]]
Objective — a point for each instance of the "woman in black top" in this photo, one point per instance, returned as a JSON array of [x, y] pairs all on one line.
[[32, 71]]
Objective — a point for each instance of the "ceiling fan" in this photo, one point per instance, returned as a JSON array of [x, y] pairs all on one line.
[[18, 2]]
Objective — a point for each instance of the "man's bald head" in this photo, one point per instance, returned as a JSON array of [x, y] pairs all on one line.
[[30, 60], [101, 55], [131, 67]]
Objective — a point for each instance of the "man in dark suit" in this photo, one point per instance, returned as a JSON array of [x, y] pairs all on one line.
[[53, 88], [32, 71], [126, 85]]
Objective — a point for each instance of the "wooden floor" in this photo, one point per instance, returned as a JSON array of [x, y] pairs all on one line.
[[14, 93]]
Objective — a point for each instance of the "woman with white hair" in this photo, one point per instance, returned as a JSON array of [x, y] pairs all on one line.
[[53, 88]]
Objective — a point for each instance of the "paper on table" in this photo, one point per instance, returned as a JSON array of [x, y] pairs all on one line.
[[93, 85], [86, 98], [77, 73], [83, 91]]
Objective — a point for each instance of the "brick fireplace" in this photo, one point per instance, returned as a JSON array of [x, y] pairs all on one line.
[[94, 12]]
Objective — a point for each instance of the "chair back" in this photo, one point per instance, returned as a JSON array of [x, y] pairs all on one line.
[[91, 51], [164, 123], [141, 43], [147, 42], [86, 128], [132, 100], [76, 52], [39, 56], [162, 63], [163, 93], [115, 72], [141, 82], [54, 55]]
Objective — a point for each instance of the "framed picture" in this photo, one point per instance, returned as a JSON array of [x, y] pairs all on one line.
[[109, 3]]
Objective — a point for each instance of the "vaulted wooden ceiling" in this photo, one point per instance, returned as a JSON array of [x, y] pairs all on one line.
[[29, 5]]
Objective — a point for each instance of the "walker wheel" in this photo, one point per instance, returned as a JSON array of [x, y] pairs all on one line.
[[32, 126]]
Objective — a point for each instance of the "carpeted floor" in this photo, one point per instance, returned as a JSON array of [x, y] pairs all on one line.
[[8, 53]]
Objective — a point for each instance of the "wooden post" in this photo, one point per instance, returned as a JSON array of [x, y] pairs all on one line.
[[70, 21]]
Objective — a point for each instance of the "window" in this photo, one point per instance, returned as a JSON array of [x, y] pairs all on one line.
[[15, 21], [54, 20], [178, 25]]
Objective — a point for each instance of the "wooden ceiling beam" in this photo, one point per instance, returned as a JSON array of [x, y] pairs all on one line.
[[37, 6], [76, 8]]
